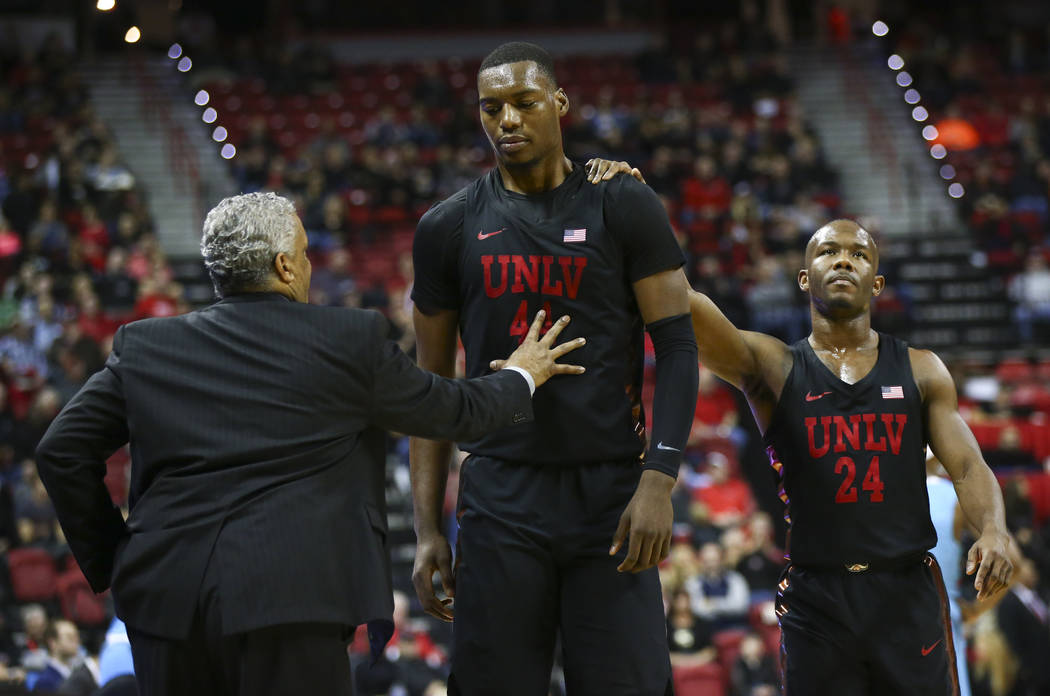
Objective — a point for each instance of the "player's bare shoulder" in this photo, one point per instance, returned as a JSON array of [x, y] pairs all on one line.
[[930, 373], [755, 363], [771, 367]]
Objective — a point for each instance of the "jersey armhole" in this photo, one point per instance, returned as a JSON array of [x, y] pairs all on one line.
[[775, 415]]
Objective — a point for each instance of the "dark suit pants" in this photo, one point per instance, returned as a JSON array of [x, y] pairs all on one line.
[[284, 660]]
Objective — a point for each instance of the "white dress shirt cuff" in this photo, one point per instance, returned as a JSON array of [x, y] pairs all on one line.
[[528, 377]]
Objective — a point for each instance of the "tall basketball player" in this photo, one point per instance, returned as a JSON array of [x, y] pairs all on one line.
[[563, 520]]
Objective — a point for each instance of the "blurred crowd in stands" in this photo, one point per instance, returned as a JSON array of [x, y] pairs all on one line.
[[363, 150], [77, 258]]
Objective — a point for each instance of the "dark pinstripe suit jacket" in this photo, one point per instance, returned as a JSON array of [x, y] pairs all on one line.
[[256, 431]]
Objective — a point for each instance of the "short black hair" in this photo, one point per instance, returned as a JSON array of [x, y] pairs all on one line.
[[518, 51]]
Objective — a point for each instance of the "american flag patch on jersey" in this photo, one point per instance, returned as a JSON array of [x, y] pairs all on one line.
[[896, 392], [575, 235]]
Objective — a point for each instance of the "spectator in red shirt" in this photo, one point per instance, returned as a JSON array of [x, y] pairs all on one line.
[[10, 247], [726, 500], [706, 193], [94, 239], [716, 414], [156, 300], [93, 322]]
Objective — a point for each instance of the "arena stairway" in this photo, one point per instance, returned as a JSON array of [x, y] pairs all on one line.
[[956, 304], [869, 136], [162, 140]]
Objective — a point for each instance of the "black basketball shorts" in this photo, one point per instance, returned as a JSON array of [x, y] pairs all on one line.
[[866, 633], [532, 561]]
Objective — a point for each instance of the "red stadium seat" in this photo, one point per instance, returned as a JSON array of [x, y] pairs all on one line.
[[80, 604], [1039, 494], [1042, 370], [1014, 370], [33, 576], [770, 632], [728, 644], [700, 680]]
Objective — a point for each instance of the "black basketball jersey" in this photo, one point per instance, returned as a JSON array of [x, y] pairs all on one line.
[[852, 460], [498, 257]]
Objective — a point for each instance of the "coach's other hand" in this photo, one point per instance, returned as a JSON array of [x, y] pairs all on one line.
[[603, 170], [989, 557], [647, 519], [536, 354]]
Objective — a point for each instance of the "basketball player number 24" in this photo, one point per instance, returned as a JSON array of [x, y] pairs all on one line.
[[847, 492], [520, 326]]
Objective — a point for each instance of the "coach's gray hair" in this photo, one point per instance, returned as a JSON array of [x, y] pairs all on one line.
[[242, 235]]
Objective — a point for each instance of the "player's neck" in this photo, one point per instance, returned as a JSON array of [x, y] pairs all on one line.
[[840, 335], [545, 175]]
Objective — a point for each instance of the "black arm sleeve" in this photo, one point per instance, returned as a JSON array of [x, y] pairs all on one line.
[[435, 256], [674, 402], [636, 216]]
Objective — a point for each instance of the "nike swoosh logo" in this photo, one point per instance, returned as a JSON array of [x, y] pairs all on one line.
[[814, 397], [484, 235], [662, 446], [926, 651]]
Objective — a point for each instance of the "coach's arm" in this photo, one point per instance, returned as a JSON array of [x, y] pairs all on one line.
[[71, 459]]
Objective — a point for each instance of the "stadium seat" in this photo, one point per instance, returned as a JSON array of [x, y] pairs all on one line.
[[1014, 370], [1042, 369], [1039, 494], [770, 632], [33, 576], [700, 680], [728, 644], [80, 604]]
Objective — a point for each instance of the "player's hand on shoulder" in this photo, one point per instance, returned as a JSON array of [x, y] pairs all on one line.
[[646, 524], [434, 555], [990, 558], [603, 170], [537, 354]]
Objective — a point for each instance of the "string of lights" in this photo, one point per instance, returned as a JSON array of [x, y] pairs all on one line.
[[184, 64], [919, 113], [209, 115]]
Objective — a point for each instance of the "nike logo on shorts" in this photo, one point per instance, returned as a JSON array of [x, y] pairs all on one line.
[[927, 651]]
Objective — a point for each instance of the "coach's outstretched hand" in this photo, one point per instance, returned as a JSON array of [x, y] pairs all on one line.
[[648, 520], [603, 170], [536, 354]]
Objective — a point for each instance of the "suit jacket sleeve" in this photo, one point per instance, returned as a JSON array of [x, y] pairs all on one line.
[[71, 459], [410, 400]]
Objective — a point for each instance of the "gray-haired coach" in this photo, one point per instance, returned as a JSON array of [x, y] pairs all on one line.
[[256, 539]]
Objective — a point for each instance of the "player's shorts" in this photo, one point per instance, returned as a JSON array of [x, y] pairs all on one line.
[[533, 560], [880, 631]]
